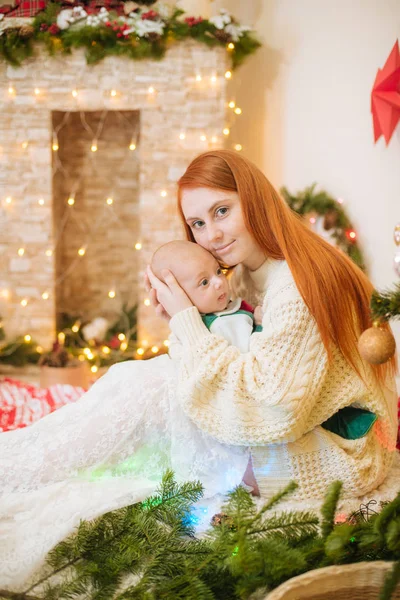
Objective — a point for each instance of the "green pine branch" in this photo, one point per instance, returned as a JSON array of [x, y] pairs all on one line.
[[386, 305], [148, 551]]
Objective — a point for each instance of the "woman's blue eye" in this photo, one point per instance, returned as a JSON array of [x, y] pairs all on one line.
[[221, 211], [204, 282], [197, 224]]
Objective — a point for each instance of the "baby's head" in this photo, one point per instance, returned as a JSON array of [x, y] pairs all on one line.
[[196, 271]]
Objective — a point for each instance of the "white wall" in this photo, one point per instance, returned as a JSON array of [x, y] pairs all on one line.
[[306, 109]]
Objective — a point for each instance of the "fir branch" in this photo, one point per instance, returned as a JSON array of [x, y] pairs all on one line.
[[328, 509], [386, 305]]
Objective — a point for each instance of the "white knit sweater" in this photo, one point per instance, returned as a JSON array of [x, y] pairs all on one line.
[[275, 397]]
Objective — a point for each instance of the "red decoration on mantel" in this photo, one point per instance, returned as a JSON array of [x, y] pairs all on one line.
[[385, 96]]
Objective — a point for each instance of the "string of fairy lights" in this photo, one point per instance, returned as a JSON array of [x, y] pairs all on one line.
[[208, 139]]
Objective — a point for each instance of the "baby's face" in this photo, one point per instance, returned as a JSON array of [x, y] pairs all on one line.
[[204, 283]]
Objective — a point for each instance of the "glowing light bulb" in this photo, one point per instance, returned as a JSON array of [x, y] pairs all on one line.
[[75, 328], [163, 193], [147, 302], [238, 111], [140, 351], [71, 200], [228, 75], [8, 200], [214, 139], [11, 90], [111, 294], [74, 93], [145, 343], [154, 349], [106, 350], [226, 131], [4, 294], [24, 302], [61, 337], [49, 252], [166, 343], [55, 146], [138, 246], [132, 146], [313, 220], [41, 201], [94, 368], [151, 90], [203, 138], [121, 337], [231, 46], [24, 145], [27, 338], [238, 147], [231, 104], [39, 349], [93, 147], [213, 78], [109, 201], [352, 235], [182, 136], [21, 251], [86, 351], [90, 356], [113, 93], [198, 77], [81, 357], [37, 91], [45, 295], [81, 251], [123, 346]]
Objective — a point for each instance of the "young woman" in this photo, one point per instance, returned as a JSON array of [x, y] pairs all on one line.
[[207, 414], [305, 366]]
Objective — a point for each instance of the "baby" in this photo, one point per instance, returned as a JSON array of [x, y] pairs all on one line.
[[200, 276]]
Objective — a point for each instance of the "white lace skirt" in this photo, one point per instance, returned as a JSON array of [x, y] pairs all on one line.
[[108, 450]]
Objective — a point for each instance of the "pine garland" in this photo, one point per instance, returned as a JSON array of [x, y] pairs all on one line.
[[108, 39], [148, 550], [336, 220], [386, 305]]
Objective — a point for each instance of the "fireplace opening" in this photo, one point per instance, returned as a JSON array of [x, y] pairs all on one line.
[[95, 213]]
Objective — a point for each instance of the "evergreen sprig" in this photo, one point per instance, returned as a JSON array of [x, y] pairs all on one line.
[[336, 220], [386, 305], [102, 41], [148, 551]]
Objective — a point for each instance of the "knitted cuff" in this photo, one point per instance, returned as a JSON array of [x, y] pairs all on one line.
[[188, 326]]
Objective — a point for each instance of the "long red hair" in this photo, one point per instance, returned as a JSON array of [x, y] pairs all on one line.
[[335, 290]]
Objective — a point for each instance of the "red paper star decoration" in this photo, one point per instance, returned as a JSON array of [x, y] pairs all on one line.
[[385, 96]]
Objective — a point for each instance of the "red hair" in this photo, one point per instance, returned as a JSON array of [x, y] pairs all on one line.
[[335, 290]]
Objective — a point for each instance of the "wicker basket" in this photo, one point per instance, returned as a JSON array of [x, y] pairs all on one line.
[[359, 581]]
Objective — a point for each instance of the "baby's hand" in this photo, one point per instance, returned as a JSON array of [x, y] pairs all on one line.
[[258, 315]]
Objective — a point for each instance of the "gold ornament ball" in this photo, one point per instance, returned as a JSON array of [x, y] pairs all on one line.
[[376, 345]]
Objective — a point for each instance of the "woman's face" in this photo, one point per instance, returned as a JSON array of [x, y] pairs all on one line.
[[216, 220]]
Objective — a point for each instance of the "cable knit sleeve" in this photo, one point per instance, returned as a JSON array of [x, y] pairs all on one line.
[[264, 396]]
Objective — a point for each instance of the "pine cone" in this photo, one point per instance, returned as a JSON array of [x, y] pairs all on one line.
[[222, 519], [330, 220], [153, 37], [26, 31], [222, 36]]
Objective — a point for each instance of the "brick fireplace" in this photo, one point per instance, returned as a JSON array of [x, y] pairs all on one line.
[[89, 158]]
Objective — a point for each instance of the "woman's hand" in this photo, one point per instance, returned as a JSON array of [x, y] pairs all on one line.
[[170, 295]]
